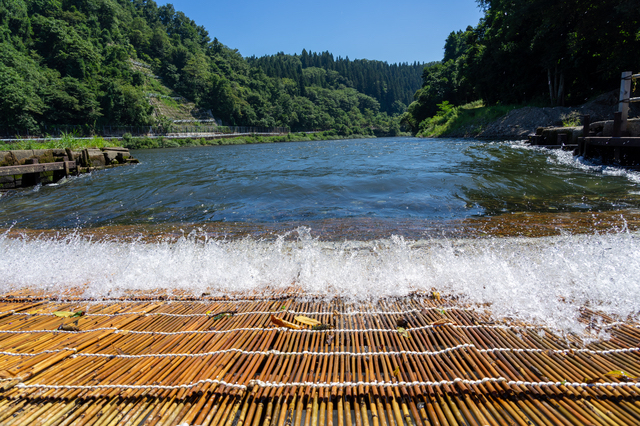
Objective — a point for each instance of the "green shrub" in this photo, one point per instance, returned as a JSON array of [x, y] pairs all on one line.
[[465, 120]]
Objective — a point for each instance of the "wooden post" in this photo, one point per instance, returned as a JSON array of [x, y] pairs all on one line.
[[561, 139], [625, 94], [582, 142], [69, 154], [617, 124], [586, 122], [31, 179]]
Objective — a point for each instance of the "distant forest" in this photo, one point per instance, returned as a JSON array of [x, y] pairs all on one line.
[[96, 62], [391, 85], [540, 52]]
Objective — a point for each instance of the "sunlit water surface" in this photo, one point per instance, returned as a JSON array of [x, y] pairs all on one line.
[[361, 219]]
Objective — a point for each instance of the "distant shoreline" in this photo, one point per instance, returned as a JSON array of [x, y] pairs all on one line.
[[175, 141]]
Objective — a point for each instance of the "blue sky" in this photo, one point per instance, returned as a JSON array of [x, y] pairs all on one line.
[[392, 31]]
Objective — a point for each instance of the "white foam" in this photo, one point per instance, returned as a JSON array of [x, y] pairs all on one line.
[[543, 280], [566, 158]]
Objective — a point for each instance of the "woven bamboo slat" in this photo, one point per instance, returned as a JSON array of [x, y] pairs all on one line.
[[174, 359]]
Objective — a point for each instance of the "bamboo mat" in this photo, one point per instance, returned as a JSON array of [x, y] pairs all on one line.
[[418, 360]]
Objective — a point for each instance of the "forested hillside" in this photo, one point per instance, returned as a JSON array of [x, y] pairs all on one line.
[[392, 85], [543, 52], [95, 62]]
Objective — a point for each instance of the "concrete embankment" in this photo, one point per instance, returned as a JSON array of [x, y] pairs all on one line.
[[570, 135], [21, 168], [610, 142]]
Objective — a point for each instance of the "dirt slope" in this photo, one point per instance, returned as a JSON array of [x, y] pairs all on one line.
[[521, 122]]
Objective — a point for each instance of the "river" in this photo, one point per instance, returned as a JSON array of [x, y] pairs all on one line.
[[536, 234]]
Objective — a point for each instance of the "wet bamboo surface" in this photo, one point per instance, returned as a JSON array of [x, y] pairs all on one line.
[[172, 360]]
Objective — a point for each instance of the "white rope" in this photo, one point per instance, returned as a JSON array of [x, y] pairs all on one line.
[[276, 352], [315, 353], [342, 330], [211, 298], [57, 331], [563, 351], [142, 299], [213, 314], [162, 387], [384, 384], [52, 351]]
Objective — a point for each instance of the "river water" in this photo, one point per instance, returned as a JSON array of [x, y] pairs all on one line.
[[537, 234]]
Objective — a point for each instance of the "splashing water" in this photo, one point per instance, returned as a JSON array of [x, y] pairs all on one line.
[[543, 280], [363, 191]]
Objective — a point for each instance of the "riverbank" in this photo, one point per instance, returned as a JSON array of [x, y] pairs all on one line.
[[150, 142], [516, 122], [175, 142]]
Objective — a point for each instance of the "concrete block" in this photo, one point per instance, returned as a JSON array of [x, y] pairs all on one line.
[[95, 157], [116, 148], [633, 127], [19, 156], [110, 156], [5, 158], [44, 155]]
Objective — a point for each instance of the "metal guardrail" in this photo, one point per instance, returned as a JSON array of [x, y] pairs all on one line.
[[55, 132]]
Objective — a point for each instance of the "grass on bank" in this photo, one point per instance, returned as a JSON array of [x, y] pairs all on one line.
[[66, 141], [128, 141], [467, 120], [150, 143]]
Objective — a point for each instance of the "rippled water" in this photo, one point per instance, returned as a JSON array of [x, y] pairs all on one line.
[[361, 219], [388, 178]]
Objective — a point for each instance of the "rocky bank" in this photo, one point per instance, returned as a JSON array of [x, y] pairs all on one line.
[[522, 122]]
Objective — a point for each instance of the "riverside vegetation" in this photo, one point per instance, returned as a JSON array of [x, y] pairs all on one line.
[[104, 62], [128, 141], [531, 52]]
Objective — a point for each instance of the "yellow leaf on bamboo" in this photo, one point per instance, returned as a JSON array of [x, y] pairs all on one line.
[[307, 321], [396, 372], [68, 314], [282, 323], [620, 375], [443, 322], [403, 332]]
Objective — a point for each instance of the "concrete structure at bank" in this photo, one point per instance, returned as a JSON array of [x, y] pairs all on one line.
[[23, 168]]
